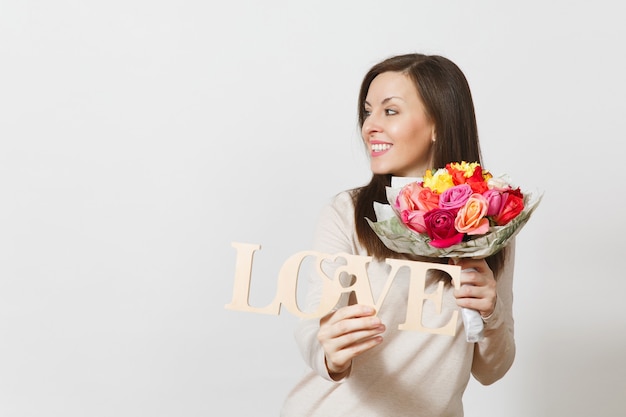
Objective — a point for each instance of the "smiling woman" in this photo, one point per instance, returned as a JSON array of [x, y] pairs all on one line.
[[397, 129], [415, 112], [139, 138]]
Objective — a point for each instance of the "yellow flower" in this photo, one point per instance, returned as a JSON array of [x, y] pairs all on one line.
[[466, 167], [439, 182]]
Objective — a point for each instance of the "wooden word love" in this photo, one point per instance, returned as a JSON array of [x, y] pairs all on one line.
[[332, 288]]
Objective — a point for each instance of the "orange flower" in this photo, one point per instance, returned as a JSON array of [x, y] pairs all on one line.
[[471, 218]]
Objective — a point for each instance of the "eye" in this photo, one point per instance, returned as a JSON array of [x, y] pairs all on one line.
[[390, 112], [366, 113]]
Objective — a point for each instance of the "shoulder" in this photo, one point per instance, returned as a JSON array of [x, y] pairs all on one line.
[[339, 206], [335, 230], [343, 200]]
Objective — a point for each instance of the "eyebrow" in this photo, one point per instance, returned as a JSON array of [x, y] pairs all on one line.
[[385, 101]]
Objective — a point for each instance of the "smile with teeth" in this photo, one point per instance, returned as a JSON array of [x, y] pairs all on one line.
[[380, 147]]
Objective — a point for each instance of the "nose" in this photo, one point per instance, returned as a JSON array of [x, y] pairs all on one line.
[[371, 125]]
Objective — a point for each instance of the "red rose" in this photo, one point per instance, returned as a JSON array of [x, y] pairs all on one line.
[[517, 192], [476, 181], [478, 187], [458, 177], [513, 206], [440, 228]]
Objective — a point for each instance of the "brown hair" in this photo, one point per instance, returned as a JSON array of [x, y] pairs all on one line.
[[447, 98]]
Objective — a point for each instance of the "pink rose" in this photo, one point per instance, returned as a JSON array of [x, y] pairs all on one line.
[[495, 199], [455, 197], [440, 228], [471, 218], [408, 196], [427, 199], [414, 219], [407, 203], [415, 197]]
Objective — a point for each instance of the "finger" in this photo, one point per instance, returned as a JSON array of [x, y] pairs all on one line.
[[353, 311], [353, 350], [348, 326], [469, 277], [478, 278], [354, 337], [475, 291], [466, 291], [482, 305], [347, 312], [477, 298], [337, 360]]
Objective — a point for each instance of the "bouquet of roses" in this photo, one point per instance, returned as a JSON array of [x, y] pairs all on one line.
[[461, 210]]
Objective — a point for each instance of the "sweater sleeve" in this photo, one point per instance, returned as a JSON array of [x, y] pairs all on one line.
[[332, 235], [493, 356]]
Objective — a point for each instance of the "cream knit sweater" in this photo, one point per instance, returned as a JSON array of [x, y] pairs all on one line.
[[411, 373]]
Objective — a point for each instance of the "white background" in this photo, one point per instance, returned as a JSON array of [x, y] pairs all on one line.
[[140, 138]]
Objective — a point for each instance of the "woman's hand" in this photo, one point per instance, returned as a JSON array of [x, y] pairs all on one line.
[[478, 286], [346, 333]]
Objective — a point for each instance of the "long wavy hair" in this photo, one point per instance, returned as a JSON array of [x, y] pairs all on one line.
[[447, 98]]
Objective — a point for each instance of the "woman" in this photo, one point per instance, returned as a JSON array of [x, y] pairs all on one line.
[[415, 112]]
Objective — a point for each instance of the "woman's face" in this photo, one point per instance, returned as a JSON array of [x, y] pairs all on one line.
[[397, 131]]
